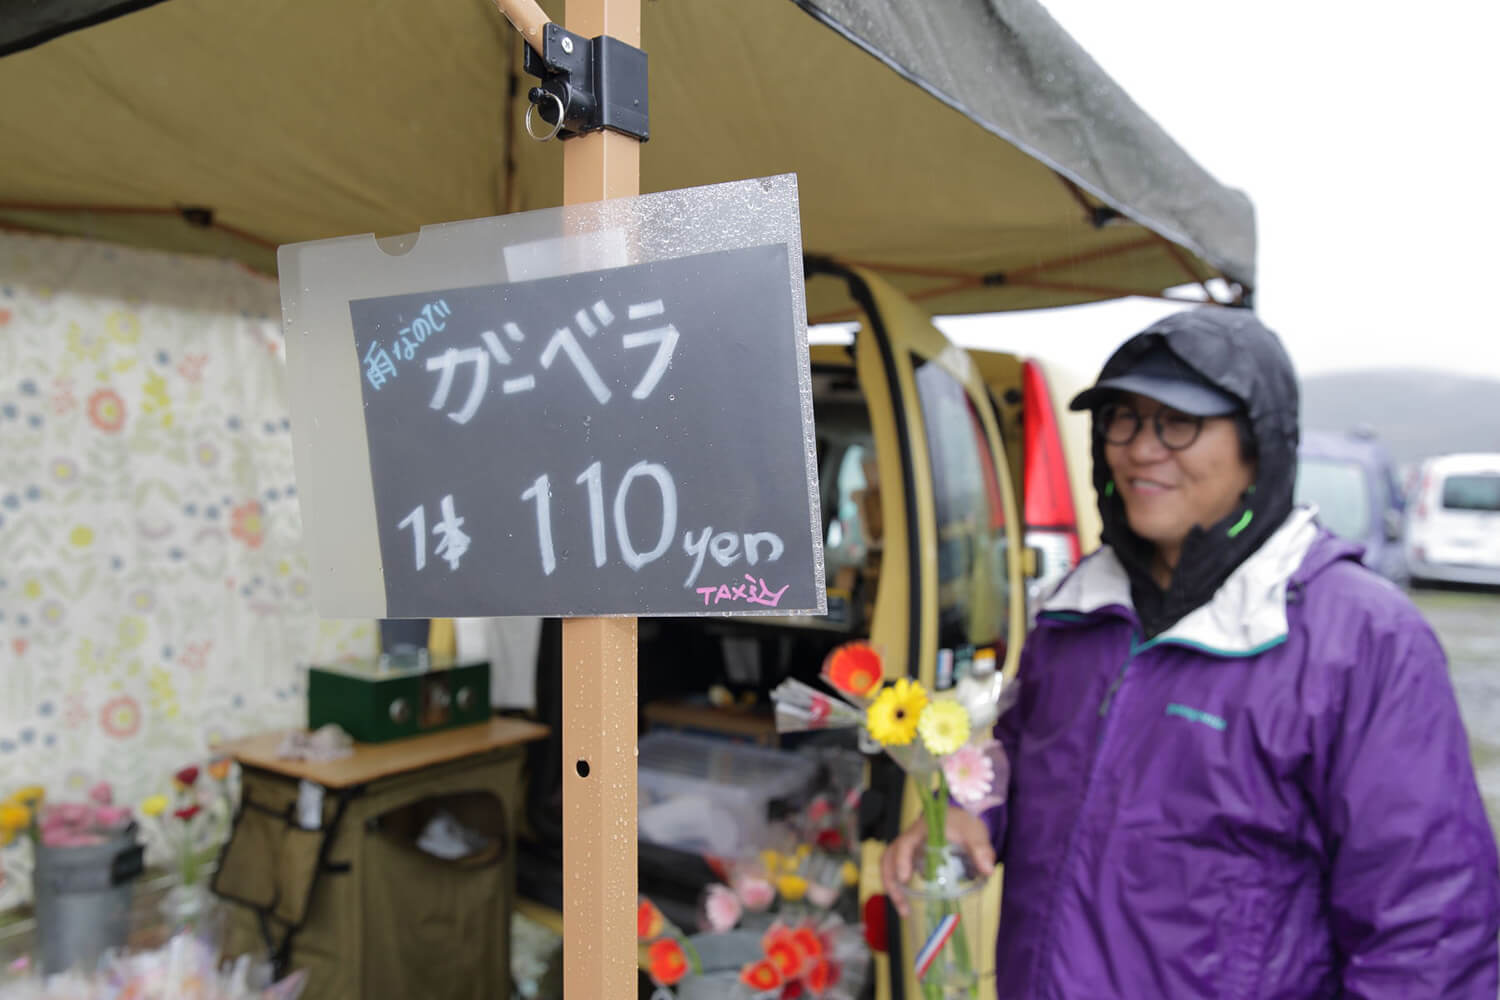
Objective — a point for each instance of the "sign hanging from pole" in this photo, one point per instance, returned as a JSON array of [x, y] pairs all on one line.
[[601, 409]]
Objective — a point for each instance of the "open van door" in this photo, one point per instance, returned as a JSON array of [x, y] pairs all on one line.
[[950, 594]]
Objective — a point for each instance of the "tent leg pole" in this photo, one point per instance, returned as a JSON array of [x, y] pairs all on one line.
[[599, 808], [600, 864]]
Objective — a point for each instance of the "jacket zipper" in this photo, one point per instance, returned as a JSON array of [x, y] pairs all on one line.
[[1109, 695], [1136, 649]]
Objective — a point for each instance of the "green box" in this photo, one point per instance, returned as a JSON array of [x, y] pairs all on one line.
[[393, 697]]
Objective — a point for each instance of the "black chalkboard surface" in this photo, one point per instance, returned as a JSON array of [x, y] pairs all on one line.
[[625, 441]]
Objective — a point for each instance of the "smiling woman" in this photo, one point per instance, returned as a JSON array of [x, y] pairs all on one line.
[[1218, 633]]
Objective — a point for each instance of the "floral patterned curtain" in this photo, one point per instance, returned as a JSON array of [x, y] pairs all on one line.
[[153, 589]]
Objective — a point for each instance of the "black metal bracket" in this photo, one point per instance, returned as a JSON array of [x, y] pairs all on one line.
[[588, 84]]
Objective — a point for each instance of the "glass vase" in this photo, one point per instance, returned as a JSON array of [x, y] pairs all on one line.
[[945, 934], [186, 908]]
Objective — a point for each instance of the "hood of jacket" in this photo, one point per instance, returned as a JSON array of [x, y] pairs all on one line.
[[1235, 352]]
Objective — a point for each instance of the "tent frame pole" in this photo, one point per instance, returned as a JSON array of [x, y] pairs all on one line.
[[599, 683]]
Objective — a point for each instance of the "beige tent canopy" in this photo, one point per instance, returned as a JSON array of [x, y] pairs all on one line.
[[968, 150]]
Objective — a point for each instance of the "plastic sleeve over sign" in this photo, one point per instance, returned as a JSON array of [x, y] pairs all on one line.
[[590, 410]]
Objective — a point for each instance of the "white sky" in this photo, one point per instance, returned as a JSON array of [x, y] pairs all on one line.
[[1364, 134]]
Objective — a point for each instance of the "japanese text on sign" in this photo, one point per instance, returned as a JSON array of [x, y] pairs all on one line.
[[379, 363]]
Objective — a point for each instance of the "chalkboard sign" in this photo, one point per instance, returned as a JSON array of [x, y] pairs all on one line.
[[625, 440], [622, 425]]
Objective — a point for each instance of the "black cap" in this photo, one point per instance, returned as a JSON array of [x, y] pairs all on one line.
[[1161, 375]]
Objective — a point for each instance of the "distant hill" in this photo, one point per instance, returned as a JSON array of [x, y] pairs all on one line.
[[1416, 413]]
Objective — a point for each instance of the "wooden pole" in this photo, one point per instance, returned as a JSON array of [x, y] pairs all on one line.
[[599, 657]]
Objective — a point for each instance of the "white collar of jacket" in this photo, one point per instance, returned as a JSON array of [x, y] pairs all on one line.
[[1246, 615]]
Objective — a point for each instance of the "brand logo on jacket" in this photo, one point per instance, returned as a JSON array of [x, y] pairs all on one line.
[[1196, 715]]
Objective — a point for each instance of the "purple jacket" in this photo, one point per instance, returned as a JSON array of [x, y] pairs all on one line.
[[1271, 799]]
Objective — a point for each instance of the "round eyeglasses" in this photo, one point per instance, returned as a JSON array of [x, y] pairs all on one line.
[[1119, 423]]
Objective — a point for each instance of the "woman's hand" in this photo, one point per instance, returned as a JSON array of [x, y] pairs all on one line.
[[965, 831]]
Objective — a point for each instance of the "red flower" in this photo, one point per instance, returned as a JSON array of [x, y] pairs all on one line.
[[107, 410], [853, 668], [667, 963], [188, 812], [830, 840], [809, 944], [783, 952], [648, 920], [188, 776], [823, 975], [792, 990], [760, 976]]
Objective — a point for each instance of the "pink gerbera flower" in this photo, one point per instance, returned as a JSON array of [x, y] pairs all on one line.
[[970, 773]]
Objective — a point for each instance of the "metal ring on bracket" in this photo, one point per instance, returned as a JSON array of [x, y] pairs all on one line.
[[555, 128]]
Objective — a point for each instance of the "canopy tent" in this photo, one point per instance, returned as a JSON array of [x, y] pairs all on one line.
[[969, 151]]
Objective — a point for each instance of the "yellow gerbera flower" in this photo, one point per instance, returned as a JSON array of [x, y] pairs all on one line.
[[944, 726], [849, 873], [791, 887], [14, 817], [892, 718], [31, 796], [154, 806]]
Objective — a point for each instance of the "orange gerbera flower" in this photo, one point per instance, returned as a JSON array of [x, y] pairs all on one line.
[[760, 976], [783, 952], [853, 668], [649, 923], [666, 962]]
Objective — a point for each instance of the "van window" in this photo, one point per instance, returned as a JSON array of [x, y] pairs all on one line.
[[973, 585], [1472, 492], [1339, 490]]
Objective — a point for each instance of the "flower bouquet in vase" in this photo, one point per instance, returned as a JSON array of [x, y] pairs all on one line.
[[187, 828], [944, 744]]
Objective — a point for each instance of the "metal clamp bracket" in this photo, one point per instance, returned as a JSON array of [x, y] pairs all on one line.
[[588, 84]]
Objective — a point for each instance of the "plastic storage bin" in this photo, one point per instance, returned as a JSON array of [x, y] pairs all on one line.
[[711, 797]]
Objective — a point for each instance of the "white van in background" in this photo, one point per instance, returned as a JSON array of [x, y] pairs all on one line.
[[1453, 520]]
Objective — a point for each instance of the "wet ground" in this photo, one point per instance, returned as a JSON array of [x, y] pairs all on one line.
[[1468, 623]]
